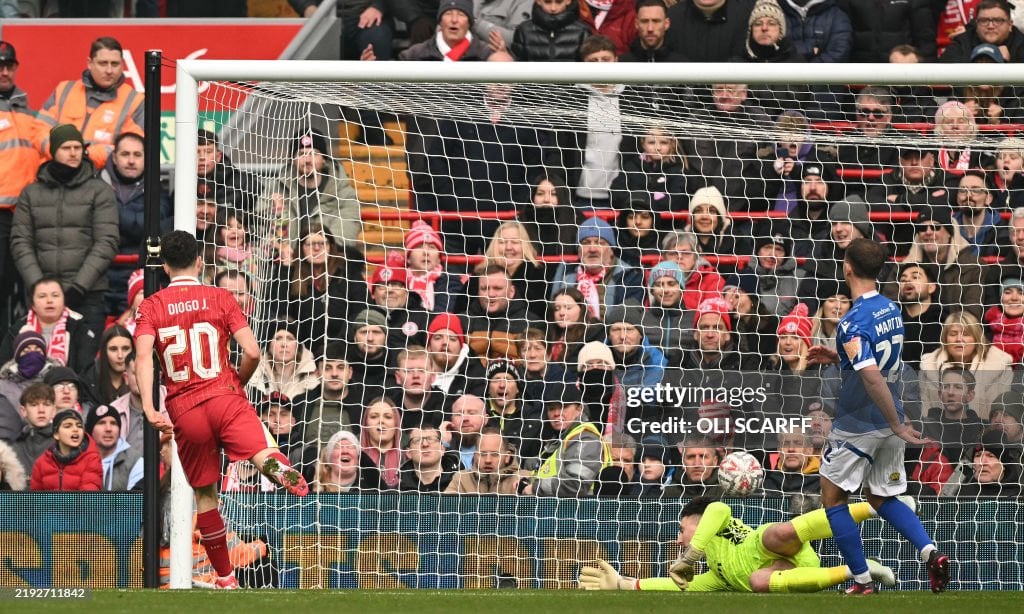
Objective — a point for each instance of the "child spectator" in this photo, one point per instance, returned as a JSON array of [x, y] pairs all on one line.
[[26, 366], [637, 235], [1005, 321], [554, 33], [657, 168], [37, 410], [71, 463], [656, 470], [438, 288], [231, 248], [1009, 174]]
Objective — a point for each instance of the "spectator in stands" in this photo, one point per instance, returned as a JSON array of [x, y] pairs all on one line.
[[438, 287], [412, 389], [879, 28], [601, 278], [19, 161], [122, 464], [996, 470], [67, 389], [782, 164], [955, 124], [519, 421], [796, 467], [716, 348], [129, 406], [754, 325], [12, 474], [1008, 180], [637, 361], [953, 18], [68, 340], [336, 404], [820, 31], [495, 468], [1010, 264], [776, 278], [652, 25], [239, 285], [873, 120], [922, 317], [914, 184], [964, 345], [766, 38], [277, 413], [26, 367], [537, 370], [452, 41], [512, 249], [231, 249], [636, 232], [939, 242], [136, 283], [429, 467], [366, 23], [369, 355], [313, 187], [830, 311], [1007, 417], [287, 367], [407, 320], [809, 223], [498, 318], [656, 471], [1005, 322], [699, 475], [66, 226], [668, 322], [458, 373], [343, 467], [554, 33], [799, 380], [657, 170], [916, 103], [574, 455], [234, 186], [499, 18], [125, 172], [953, 423], [36, 407], [550, 218], [980, 224], [849, 219], [206, 223], [990, 104], [992, 25], [462, 432], [71, 463], [710, 223], [105, 377], [570, 325], [709, 30], [701, 280], [101, 105], [380, 437], [615, 19]]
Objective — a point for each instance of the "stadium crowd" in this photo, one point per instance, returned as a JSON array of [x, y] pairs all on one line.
[[626, 264]]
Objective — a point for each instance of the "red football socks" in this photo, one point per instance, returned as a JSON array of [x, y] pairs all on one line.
[[214, 539]]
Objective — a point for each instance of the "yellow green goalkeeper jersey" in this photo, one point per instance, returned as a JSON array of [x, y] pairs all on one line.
[[732, 551]]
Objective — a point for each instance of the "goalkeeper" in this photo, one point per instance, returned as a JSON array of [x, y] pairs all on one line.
[[773, 558]]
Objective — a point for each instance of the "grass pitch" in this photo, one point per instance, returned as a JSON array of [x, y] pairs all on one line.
[[512, 601]]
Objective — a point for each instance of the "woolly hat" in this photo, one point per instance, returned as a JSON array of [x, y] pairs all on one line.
[[853, 210], [629, 313], [389, 275], [796, 323], [768, 8], [62, 134], [370, 317], [103, 411], [448, 321], [1012, 282], [666, 268], [503, 366], [66, 414], [1011, 403], [420, 233], [563, 393], [339, 437], [596, 227], [28, 337], [57, 374], [993, 442], [711, 196], [777, 238], [136, 283], [311, 140], [714, 305], [466, 6], [595, 350]]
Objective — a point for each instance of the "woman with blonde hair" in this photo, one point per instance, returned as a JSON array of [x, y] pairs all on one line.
[[343, 467], [826, 319], [380, 437], [955, 124], [511, 247], [962, 344]]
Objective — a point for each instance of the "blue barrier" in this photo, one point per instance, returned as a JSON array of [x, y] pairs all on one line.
[[392, 541]]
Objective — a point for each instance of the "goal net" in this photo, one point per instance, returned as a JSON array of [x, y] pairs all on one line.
[[512, 324]]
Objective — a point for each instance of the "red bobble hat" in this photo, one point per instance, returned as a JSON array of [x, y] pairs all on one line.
[[796, 323], [715, 305], [420, 233]]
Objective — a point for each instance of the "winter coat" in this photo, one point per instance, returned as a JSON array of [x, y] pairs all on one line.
[[619, 23], [921, 334], [638, 53], [82, 342], [234, 187], [133, 420], [992, 233], [642, 367], [959, 50], [428, 51], [451, 463], [304, 378], [470, 481], [787, 482], [335, 205], [778, 290], [552, 229], [670, 329], [579, 463], [702, 283], [31, 444], [993, 374], [550, 38], [820, 30], [957, 437], [880, 25], [12, 473], [122, 470], [494, 334], [621, 283], [81, 470], [1007, 333], [664, 182], [717, 38], [500, 15], [66, 231], [521, 429], [806, 233]]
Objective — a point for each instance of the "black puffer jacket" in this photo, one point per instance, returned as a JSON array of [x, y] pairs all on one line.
[[550, 38], [880, 25]]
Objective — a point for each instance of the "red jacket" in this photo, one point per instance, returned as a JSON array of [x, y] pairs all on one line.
[[704, 282], [81, 470], [619, 25], [1007, 333]]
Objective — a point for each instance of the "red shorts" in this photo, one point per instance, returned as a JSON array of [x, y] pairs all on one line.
[[226, 422]]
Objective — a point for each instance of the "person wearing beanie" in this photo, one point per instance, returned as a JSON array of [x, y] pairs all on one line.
[[518, 420], [637, 361], [809, 223], [603, 279], [458, 370], [849, 220], [1007, 417], [453, 41], [636, 230], [406, 318], [72, 462], [1008, 178], [122, 463], [438, 289], [312, 187], [766, 41], [29, 353], [995, 470], [794, 341], [772, 273], [66, 226], [939, 243], [667, 321], [714, 338], [711, 224]]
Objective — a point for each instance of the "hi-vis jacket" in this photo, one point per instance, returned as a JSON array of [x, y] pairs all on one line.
[[19, 147], [573, 469]]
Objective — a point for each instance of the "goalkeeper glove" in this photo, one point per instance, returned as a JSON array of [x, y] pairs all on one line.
[[681, 571], [604, 578]]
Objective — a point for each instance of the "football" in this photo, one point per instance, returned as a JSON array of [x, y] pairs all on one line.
[[740, 474]]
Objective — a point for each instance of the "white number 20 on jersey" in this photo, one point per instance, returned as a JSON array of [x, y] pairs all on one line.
[[201, 335]]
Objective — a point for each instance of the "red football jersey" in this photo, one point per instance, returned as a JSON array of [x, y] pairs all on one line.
[[191, 325]]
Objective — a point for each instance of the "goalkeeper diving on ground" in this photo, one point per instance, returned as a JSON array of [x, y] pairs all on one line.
[[774, 558]]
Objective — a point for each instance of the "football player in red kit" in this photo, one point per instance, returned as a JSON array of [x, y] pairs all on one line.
[[189, 325]]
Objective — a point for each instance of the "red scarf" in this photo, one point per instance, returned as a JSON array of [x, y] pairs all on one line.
[[963, 161], [424, 285], [587, 284], [57, 348]]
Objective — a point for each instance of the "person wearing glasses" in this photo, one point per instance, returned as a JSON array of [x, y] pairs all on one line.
[[991, 25], [872, 127], [429, 467], [980, 224]]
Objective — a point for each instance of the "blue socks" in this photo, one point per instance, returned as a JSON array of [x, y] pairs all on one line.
[[903, 519], [847, 536]]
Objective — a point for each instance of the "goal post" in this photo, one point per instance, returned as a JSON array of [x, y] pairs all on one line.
[[385, 539]]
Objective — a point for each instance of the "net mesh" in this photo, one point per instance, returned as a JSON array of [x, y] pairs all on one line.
[[600, 247]]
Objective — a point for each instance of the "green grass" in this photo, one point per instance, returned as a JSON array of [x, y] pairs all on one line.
[[517, 602]]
